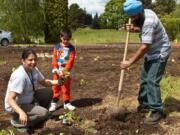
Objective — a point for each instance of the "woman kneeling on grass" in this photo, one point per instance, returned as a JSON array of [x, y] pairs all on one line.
[[27, 105]]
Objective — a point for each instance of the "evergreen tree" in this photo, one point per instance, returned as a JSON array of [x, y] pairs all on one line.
[[88, 20], [95, 22], [76, 16], [56, 15]]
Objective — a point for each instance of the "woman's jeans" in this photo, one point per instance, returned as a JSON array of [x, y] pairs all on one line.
[[37, 113]]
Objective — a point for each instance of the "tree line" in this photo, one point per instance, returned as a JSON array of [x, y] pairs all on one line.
[[31, 19]]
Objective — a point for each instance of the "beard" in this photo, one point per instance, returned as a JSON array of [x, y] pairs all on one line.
[[139, 21]]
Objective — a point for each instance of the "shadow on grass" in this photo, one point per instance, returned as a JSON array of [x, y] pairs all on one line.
[[171, 105]]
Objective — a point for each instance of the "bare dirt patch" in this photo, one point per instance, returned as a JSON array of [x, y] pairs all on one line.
[[98, 66]]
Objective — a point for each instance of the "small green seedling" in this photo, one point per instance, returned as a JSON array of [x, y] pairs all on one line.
[[70, 117], [81, 58], [11, 131], [63, 78], [82, 82], [97, 58], [66, 73], [2, 61], [50, 134]]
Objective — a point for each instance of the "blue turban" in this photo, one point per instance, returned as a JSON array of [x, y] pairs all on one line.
[[132, 7]]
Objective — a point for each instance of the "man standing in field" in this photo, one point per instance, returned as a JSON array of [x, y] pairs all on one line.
[[155, 47]]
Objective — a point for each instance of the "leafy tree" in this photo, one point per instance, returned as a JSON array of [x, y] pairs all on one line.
[[22, 17], [147, 4], [95, 23], [164, 7], [172, 26], [114, 16], [56, 12], [76, 16], [176, 13]]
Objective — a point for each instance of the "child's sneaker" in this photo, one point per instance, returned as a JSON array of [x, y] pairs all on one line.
[[69, 106], [53, 107]]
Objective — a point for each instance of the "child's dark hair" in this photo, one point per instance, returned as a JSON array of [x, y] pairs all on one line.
[[27, 52], [65, 32]]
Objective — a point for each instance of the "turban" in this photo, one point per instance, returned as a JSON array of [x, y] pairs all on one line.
[[132, 7]]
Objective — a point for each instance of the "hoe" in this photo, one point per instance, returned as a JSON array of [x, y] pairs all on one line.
[[117, 112]]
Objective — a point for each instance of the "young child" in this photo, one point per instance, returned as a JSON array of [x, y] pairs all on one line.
[[62, 62]]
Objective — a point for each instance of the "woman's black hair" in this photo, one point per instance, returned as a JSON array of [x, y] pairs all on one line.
[[65, 32], [27, 52]]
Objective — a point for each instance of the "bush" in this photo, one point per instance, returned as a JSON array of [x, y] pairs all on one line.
[[172, 26]]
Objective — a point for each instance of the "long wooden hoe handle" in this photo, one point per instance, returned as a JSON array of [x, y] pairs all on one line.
[[122, 70]]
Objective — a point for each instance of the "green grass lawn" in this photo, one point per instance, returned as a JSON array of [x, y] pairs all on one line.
[[169, 85], [89, 36]]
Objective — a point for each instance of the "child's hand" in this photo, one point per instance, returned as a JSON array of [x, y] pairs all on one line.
[[55, 71], [61, 73], [61, 80]]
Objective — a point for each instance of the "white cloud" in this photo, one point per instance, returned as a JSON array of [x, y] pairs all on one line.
[[91, 6]]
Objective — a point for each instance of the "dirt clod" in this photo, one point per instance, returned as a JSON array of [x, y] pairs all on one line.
[[117, 113]]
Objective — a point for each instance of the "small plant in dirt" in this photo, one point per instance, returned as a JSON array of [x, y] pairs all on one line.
[[97, 58], [64, 77], [90, 130], [53, 134], [11, 131], [50, 134], [81, 58], [2, 61], [66, 73], [88, 126], [82, 82], [70, 117]]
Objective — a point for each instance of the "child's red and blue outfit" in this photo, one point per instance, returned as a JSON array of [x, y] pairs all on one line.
[[63, 58]]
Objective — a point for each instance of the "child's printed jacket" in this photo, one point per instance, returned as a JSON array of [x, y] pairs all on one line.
[[63, 57]]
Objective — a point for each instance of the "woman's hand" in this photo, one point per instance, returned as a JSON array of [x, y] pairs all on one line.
[[23, 118], [48, 82], [54, 82]]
